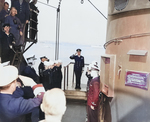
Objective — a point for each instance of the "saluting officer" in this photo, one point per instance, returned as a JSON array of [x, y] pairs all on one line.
[[78, 66]]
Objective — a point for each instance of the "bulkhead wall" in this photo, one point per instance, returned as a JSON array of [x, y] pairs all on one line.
[[128, 34], [130, 104]]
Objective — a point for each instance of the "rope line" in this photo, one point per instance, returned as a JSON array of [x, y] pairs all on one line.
[[97, 9], [47, 4]]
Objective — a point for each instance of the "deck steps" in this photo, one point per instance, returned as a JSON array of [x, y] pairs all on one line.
[[76, 94]]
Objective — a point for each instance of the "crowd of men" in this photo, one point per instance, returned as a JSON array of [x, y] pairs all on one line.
[[15, 107], [13, 30], [16, 21], [25, 99], [50, 74]]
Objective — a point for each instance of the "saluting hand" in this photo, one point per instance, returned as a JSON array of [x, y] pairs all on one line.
[[27, 21], [21, 33]]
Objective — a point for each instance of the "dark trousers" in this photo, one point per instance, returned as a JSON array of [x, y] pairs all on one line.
[[78, 78], [92, 114]]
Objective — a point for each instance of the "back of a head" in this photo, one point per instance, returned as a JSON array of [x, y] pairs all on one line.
[[54, 102], [7, 74]]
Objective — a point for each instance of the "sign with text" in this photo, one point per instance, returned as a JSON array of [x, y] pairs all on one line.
[[137, 79]]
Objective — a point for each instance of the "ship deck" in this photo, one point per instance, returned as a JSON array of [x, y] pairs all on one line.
[[76, 104], [75, 112]]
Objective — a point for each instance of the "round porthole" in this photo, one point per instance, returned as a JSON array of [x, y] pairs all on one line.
[[120, 4]]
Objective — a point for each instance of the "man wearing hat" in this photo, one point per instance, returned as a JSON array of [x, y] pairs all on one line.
[[7, 42], [42, 67], [12, 108], [93, 93], [78, 66]]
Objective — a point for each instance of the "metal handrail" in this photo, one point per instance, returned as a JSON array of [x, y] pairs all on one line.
[[66, 72]]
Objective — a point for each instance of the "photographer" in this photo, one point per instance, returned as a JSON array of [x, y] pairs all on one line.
[[13, 109], [93, 93]]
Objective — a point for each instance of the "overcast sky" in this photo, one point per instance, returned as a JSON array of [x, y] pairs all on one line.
[[79, 23]]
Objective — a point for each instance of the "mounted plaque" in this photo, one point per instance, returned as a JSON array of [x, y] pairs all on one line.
[[137, 79]]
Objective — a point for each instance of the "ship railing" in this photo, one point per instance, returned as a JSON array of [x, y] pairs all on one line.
[[69, 75]]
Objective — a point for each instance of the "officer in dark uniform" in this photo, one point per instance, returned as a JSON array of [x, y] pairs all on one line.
[[3, 13], [7, 42], [79, 64], [42, 68]]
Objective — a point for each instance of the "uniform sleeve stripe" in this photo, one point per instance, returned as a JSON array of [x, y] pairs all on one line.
[[38, 89], [37, 85]]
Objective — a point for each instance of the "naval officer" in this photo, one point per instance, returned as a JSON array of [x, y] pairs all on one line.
[[78, 66]]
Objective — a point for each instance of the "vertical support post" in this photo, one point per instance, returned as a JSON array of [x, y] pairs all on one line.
[[64, 77], [67, 75], [57, 32], [73, 78]]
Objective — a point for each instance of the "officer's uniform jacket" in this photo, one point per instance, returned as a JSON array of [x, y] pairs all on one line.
[[15, 29], [79, 62], [41, 69], [14, 107], [3, 14], [31, 73], [22, 10], [6, 42]]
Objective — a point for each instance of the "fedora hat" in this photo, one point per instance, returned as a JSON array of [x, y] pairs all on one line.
[[8, 74]]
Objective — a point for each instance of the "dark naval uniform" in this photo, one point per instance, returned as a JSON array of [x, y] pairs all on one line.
[[3, 14], [57, 77], [41, 70], [79, 64], [6, 41], [22, 10], [13, 107], [48, 79], [31, 73], [15, 29]]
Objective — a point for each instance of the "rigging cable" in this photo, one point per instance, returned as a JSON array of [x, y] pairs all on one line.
[[97, 9], [47, 4], [57, 27]]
